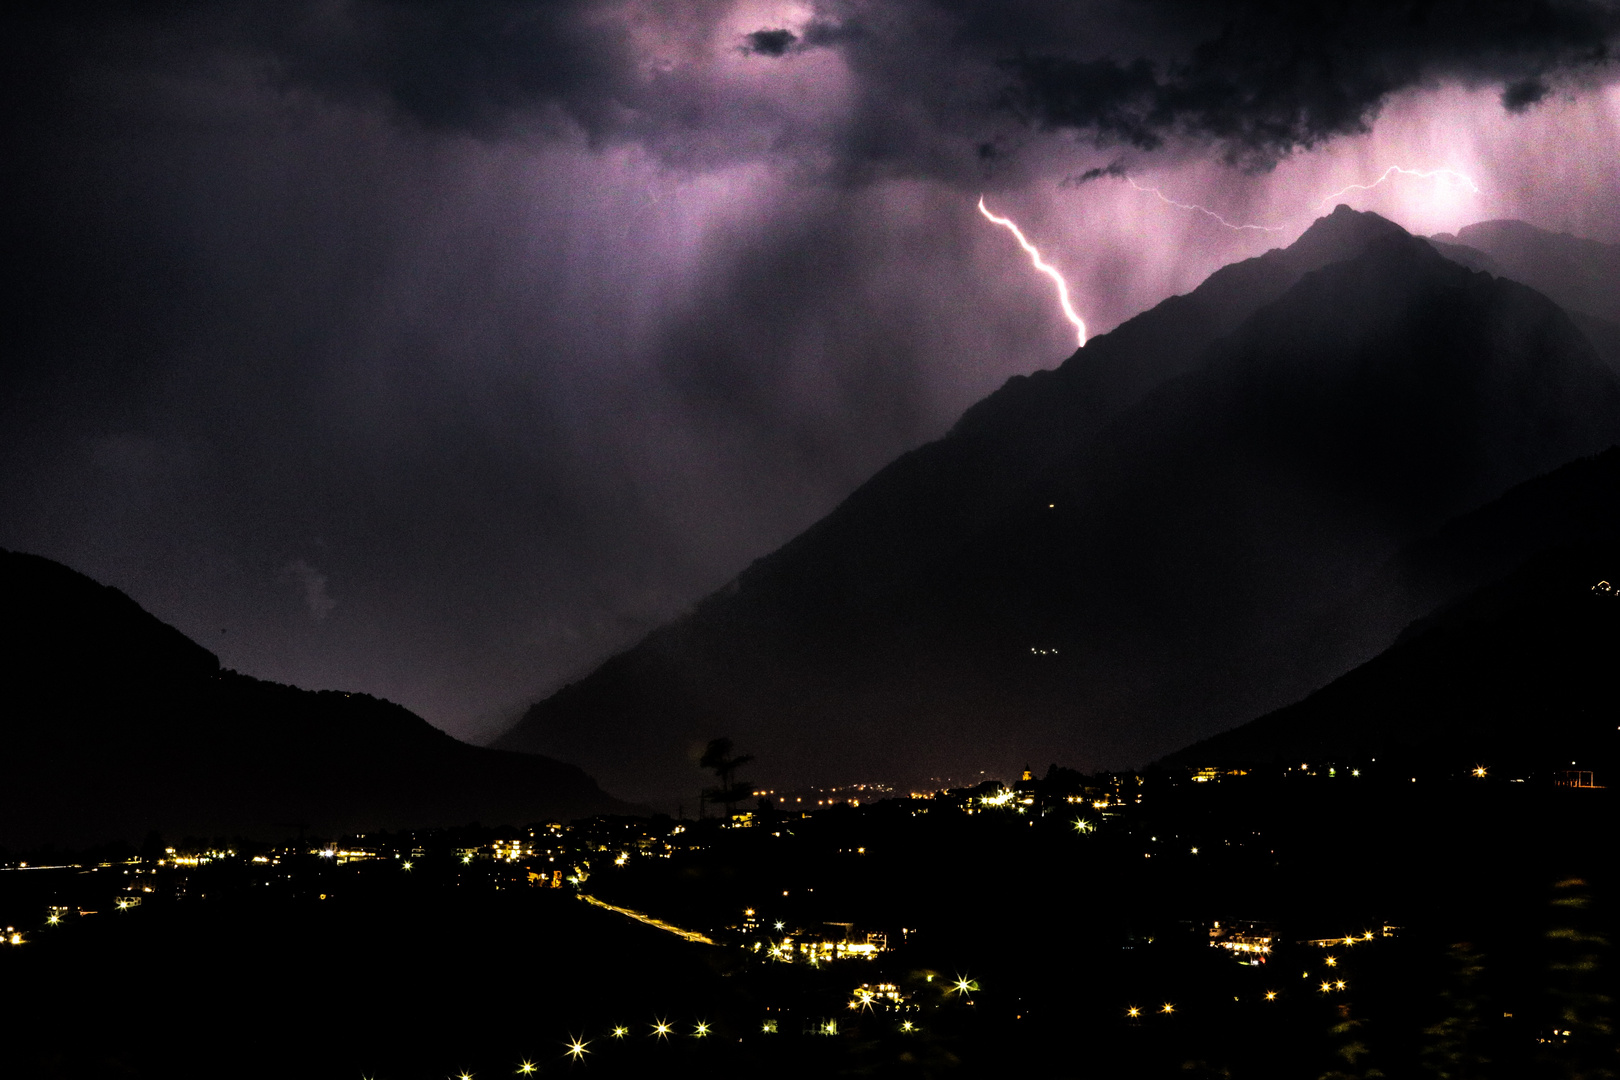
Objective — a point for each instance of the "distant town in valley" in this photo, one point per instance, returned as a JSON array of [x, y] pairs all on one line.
[[1251, 920]]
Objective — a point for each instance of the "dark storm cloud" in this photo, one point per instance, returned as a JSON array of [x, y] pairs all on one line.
[[771, 42], [1258, 78], [1114, 169], [1276, 76], [935, 80], [817, 34]]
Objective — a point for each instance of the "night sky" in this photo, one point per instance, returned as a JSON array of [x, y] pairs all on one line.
[[438, 351]]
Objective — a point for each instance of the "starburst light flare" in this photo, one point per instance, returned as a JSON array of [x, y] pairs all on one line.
[[1041, 265]]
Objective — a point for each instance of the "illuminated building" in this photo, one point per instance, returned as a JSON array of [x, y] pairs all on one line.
[[871, 996], [845, 944], [1249, 941], [1210, 773]]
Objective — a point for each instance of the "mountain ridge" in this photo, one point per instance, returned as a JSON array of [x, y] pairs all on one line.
[[118, 724], [893, 646]]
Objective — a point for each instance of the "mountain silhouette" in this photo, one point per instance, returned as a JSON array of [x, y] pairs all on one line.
[[117, 724], [1580, 275], [1117, 557], [1516, 676]]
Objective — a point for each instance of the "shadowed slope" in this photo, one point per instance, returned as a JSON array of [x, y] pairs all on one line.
[[116, 724], [1091, 568], [1517, 675]]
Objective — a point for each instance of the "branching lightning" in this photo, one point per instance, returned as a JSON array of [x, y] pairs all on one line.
[[1041, 265], [1445, 176], [1201, 209]]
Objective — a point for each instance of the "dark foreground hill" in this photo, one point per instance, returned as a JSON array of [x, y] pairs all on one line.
[[1503, 654], [1518, 676], [1123, 555], [115, 724]]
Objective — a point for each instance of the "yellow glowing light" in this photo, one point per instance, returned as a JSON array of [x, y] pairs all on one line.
[[962, 985], [661, 1029], [701, 1030], [1271, 995], [908, 1026], [1051, 272], [54, 919], [465, 1076], [620, 1032], [1339, 985], [1325, 987], [406, 865], [576, 1049], [526, 1068], [1479, 770], [1133, 1012], [1168, 1008], [1081, 825], [1330, 962], [779, 924]]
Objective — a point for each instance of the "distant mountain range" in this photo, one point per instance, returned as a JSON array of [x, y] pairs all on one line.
[[1582, 276], [115, 724], [1196, 519], [1517, 676]]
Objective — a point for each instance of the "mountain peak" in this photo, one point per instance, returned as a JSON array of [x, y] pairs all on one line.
[[1342, 234]]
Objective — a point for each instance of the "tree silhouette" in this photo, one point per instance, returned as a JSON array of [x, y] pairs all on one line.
[[718, 759], [1453, 1052], [1352, 1050], [1584, 1049]]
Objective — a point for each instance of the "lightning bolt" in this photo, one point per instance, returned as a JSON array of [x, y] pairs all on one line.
[[1041, 265], [1201, 209], [1445, 175]]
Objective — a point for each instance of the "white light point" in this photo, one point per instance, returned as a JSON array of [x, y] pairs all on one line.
[[1445, 176], [1202, 210], [1041, 265]]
